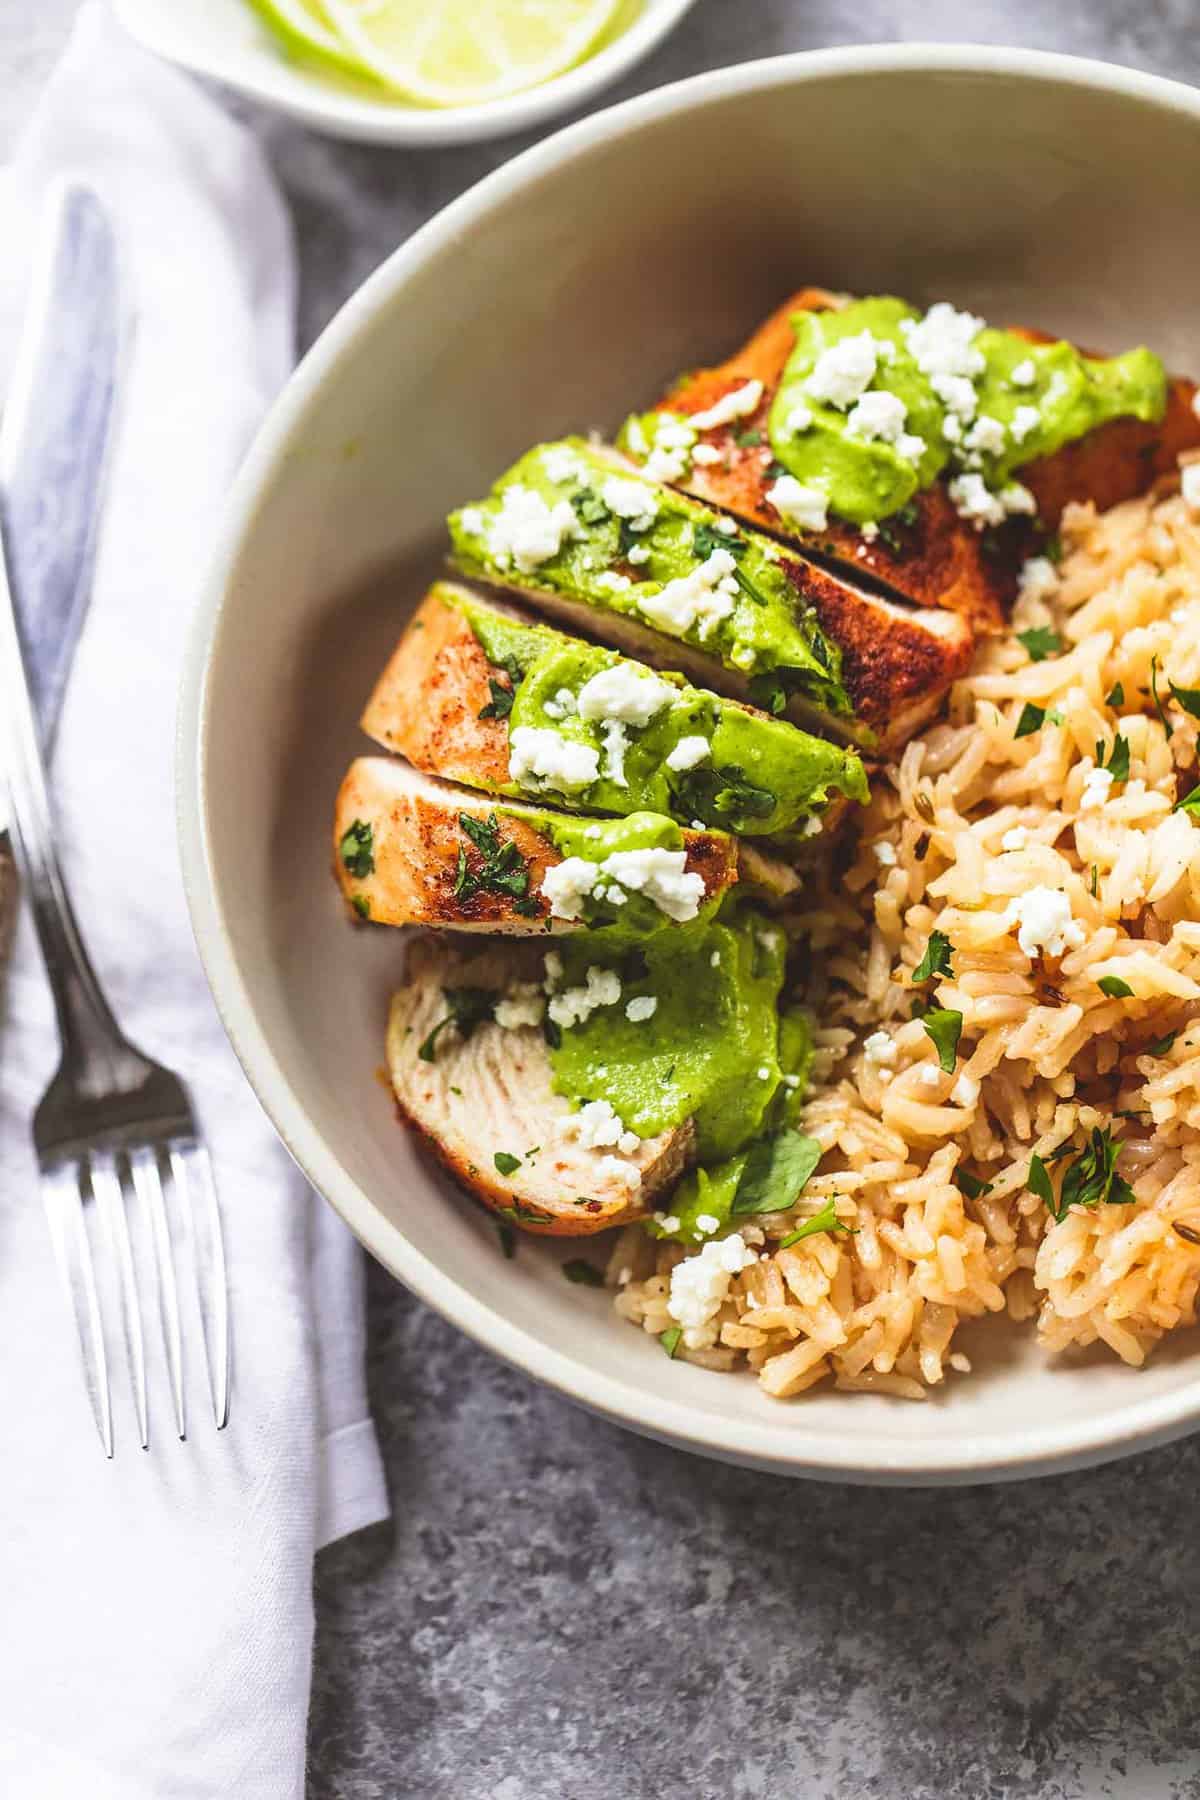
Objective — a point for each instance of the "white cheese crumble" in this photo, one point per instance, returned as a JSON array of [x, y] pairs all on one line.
[[523, 1004], [688, 752], [800, 503], [661, 875], [974, 500], [612, 582], [597, 1127], [1025, 373], [705, 455], [670, 454], [734, 405], [885, 853], [707, 1223], [562, 704], [986, 436], [536, 753], [880, 1050], [1097, 787], [844, 371], [704, 597], [562, 465], [630, 500], [528, 531], [621, 692], [942, 345], [798, 420], [638, 554], [602, 987], [668, 1222], [628, 1174], [1024, 420], [1038, 579], [880, 415], [699, 1285], [1043, 918], [965, 1091], [1189, 486], [641, 1007], [929, 1074]]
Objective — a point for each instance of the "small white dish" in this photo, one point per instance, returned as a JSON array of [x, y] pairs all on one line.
[[560, 292], [226, 41]]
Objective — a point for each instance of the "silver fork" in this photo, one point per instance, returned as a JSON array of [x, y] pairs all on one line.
[[113, 1126]]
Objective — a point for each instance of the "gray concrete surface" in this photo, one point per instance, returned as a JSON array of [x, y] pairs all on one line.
[[560, 1611]]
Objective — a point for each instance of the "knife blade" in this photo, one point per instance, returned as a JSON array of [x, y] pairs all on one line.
[[55, 437]]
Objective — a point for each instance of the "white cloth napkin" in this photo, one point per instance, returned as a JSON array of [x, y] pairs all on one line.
[[156, 1611]]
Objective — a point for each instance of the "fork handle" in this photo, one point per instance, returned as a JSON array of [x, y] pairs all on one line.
[[85, 1020]]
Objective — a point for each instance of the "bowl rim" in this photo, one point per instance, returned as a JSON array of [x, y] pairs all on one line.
[[787, 1447], [364, 119]]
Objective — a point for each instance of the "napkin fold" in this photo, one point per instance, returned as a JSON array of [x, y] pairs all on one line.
[[156, 1611]]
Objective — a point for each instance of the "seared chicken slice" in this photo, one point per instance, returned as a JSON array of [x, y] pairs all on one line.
[[446, 697], [483, 1091], [409, 850], [686, 589]]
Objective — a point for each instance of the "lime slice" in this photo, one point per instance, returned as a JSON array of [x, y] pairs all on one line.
[[302, 28], [466, 52]]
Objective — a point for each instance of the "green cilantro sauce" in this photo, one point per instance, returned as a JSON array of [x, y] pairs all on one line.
[[761, 776], [766, 627], [710, 1051], [866, 480]]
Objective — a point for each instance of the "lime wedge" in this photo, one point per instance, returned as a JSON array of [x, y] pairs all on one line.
[[466, 52], [302, 28]]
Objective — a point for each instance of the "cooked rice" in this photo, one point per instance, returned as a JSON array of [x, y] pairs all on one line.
[[1052, 1055]]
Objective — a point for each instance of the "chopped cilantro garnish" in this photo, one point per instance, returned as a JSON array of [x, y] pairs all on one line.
[[706, 538], [502, 869], [943, 1026], [501, 702], [1114, 987], [746, 440], [936, 960], [590, 508], [776, 1173], [1190, 802], [357, 849], [1158, 705], [362, 905], [1090, 1180], [1031, 720], [1042, 641], [1118, 760], [669, 1339], [971, 1186], [506, 1162], [469, 1007], [585, 1274], [725, 792], [508, 1241], [1052, 549], [1188, 698], [1115, 695], [1038, 1181], [1162, 1046], [825, 1220]]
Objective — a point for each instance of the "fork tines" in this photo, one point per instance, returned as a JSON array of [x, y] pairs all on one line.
[[152, 1203]]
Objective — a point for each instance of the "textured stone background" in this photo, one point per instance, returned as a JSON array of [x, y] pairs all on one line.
[[560, 1611]]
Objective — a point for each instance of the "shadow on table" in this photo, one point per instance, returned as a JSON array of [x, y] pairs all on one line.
[[562, 1611]]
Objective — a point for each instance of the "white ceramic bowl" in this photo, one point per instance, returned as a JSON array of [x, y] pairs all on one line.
[[223, 39], [555, 295]]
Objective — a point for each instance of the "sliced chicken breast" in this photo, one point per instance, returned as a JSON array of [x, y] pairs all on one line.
[[484, 1093], [404, 856]]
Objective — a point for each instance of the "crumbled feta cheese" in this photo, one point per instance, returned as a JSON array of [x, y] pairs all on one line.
[[813, 827], [597, 1127], [537, 753], [523, 1004], [705, 455], [869, 530], [743, 656], [562, 465], [623, 692], [800, 503], [688, 752], [707, 1223], [699, 1285], [880, 415], [965, 1091], [986, 436], [670, 454], [734, 405], [616, 742], [844, 371], [727, 527], [638, 554], [612, 582], [641, 1007], [973, 500], [1097, 788], [704, 597], [880, 1050], [1024, 420], [1043, 916], [1017, 499], [885, 853], [602, 987], [527, 531], [1016, 839], [1025, 373], [670, 1224], [942, 345], [661, 875], [1038, 579], [630, 500], [472, 521], [612, 1168], [798, 420], [1189, 486], [764, 1074], [928, 1074]]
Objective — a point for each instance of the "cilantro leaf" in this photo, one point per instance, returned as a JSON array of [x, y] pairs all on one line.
[[357, 849], [590, 508], [669, 1339], [508, 1241], [1188, 698], [362, 905], [1114, 987], [501, 870], [1162, 1046], [943, 1026], [706, 538], [584, 1274], [1092, 1179], [1042, 641], [725, 792], [1190, 802], [825, 1220], [1115, 695], [1158, 705], [971, 1186], [469, 1007], [746, 440], [776, 1173], [506, 1162], [1118, 761], [1038, 1182], [501, 702], [1052, 549], [1031, 720], [936, 960]]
